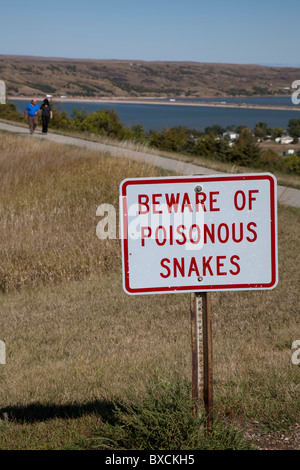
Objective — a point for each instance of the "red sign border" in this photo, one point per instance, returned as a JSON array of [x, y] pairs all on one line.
[[200, 179]]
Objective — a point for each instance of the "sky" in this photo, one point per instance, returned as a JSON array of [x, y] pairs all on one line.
[[264, 32]]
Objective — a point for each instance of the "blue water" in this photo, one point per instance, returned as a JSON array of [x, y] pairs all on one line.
[[262, 100], [158, 116]]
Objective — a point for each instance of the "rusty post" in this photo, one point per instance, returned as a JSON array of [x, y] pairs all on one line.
[[202, 363], [197, 350]]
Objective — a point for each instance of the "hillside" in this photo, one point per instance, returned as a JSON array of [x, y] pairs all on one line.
[[25, 75], [79, 348]]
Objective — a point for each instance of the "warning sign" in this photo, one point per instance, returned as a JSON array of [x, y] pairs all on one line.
[[199, 233]]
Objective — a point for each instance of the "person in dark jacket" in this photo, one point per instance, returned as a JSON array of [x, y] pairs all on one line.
[[46, 115]]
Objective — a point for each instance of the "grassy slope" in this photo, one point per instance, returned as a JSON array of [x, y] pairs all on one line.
[[76, 342], [290, 180], [28, 75]]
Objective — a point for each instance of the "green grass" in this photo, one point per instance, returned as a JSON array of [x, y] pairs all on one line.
[[164, 419]]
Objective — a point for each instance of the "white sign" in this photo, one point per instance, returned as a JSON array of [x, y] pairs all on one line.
[[199, 233]]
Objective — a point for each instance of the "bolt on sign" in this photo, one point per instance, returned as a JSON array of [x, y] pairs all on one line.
[[199, 233]]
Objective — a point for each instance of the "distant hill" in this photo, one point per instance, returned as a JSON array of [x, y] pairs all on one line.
[[25, 75]]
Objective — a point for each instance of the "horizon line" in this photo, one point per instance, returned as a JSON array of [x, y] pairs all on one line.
[[259, 64]]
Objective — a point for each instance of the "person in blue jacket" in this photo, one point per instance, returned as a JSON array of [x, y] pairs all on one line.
[[32, 110]]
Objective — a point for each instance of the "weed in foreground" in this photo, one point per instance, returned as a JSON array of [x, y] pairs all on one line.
[[164, 419]]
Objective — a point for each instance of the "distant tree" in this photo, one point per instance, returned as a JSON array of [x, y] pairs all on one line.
[[270, 160], [78, 116], [294, 128], [155, 138], [60, 118], [103, 122], [176, 138], [291, 164], [231, 128], [239, 129], [261, 129], [275, 132], [216, 129], [213, 147], [205, 146], [245, 151], [9, 111], [138, 133]]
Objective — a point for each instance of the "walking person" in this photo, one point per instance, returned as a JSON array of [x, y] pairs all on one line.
[[32, 109], [46, 115]]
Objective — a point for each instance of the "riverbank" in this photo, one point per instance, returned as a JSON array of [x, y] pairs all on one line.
[[160, 101]]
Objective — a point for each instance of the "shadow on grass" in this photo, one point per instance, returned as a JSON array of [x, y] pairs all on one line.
[[37, 412], [164, 419]]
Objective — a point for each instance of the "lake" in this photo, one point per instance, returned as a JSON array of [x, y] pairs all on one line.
[[158, 116]]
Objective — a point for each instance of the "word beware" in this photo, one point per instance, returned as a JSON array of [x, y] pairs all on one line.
[[179, 203]]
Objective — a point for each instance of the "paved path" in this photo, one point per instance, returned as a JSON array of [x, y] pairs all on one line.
[[285, 195]]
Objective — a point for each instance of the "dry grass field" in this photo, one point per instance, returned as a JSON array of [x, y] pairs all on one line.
[[76, 343]]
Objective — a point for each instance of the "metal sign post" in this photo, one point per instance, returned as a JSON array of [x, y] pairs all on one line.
[[202, 357]]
